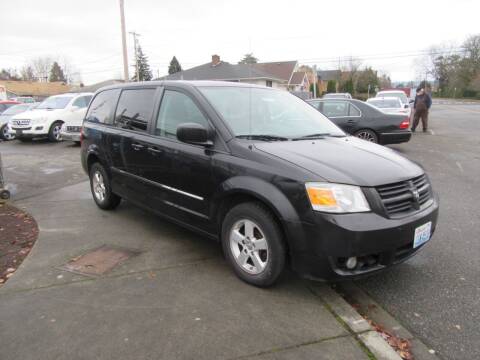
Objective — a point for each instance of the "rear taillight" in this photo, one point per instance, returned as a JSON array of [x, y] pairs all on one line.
[[405, 124]]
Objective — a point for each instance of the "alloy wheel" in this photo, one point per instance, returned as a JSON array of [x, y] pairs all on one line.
[[249, 246], [6, 135], [366, 135], [56, 132], [98, 186]]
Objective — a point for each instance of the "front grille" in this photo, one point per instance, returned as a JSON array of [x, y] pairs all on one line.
[[74, 129], [405, 196], [21, 122]]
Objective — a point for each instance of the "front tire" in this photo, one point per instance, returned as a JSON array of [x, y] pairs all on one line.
[[54, 132], [5, 135], [367, 135], [253, 244], [101, 188]]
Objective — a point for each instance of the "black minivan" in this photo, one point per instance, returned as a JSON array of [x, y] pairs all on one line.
[[262, 172]]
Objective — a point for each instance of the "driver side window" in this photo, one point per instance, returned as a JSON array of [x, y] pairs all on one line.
[[177, 108]]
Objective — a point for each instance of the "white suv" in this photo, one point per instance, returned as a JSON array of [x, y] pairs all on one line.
[[48, 117]]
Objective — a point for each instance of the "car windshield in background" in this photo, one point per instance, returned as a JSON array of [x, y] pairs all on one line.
[[57, 102], [268, 114], [401, 96], [334, 96], [386, 103], [16, 109]]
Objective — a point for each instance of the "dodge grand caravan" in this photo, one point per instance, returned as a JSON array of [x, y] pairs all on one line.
[[261, 171]]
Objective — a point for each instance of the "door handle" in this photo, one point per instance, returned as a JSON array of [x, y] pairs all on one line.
[[137, 146], [155, 150], [351, 121]]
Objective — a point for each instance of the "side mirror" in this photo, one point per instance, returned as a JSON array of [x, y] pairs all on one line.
[[193, 133], [411, 101]]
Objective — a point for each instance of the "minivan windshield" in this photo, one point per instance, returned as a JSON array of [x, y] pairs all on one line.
[[268, 114], [55, 102]]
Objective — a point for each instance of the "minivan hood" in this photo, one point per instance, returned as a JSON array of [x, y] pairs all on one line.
[[37, 113], [346, 160]]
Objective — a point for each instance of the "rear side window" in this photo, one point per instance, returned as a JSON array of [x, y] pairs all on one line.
[[134, 109], [354, 111], [101, 109]]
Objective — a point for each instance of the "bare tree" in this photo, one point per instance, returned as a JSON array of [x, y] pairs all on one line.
[[27, 73], [41, 67]]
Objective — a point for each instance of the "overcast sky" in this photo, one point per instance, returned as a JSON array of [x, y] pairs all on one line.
[[384, 34]]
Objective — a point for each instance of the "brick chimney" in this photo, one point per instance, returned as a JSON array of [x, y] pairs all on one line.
[[215, 60]]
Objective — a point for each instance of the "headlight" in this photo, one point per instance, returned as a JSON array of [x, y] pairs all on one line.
[[336, 198]]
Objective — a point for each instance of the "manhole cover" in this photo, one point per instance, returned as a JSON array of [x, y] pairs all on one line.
[[99, 261]]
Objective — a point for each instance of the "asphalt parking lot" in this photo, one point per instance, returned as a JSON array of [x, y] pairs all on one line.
[[436, 294]]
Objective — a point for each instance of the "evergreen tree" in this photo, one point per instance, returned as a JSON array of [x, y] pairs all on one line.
[[174, 66], [248, 59], [331, 86], [144, 72], [56, 73]]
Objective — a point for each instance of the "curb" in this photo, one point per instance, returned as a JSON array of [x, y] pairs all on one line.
[[373, 343], [371, 309]]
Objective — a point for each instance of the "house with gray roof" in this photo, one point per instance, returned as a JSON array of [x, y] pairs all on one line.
[[273, 74]]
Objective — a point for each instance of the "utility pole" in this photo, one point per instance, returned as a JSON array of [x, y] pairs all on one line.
[[124, 42], [135, 35], [315, 81]]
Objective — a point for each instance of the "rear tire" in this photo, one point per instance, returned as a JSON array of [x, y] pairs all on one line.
[[253, 244], [101, 188], [367, 135], [54, 132]]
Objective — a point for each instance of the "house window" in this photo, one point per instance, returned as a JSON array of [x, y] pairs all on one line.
[[269, 83]]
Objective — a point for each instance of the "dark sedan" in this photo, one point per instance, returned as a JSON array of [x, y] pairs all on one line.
[[365, 121]]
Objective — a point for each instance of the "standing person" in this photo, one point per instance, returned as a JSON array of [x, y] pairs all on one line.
[[422, 104]]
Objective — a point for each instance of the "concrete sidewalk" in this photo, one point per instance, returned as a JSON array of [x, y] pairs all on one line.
[[177, 299]]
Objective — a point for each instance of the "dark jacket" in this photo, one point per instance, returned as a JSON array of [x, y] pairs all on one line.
[[424, 98]]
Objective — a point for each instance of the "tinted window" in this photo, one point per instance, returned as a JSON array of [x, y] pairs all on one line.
[[177, 108], [82, 101], [354, 111], [134, 109], [335, 108], [101, 109]]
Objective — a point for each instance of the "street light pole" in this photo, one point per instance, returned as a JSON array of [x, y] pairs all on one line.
[[124, 41]]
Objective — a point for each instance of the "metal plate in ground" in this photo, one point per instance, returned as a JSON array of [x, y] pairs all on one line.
[[99, 261]]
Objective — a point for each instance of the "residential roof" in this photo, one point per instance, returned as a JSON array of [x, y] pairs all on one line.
[[96, 86], [35, 88], [326, 75], [297, 78], [222, 71], [281, 69]]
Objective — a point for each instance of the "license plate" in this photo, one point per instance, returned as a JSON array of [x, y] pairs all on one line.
[[422, 234], [19, 132]]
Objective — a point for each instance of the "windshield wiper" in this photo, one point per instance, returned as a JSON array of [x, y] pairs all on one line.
[[263, 137], [317, 136]]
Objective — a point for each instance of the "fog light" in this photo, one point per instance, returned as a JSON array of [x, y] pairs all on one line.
[[39, 128], [351, 263]]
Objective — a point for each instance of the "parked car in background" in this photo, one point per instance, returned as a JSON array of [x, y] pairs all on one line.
[[261, 171], [400, 94], [8, 114], [337, 96], [72, 126], [390, 105], [46, 119], [365, 121], [24, 99], [5, 104]]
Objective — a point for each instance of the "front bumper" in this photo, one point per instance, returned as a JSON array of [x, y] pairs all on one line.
[[321, 248], [28, 132], [70, 136]]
